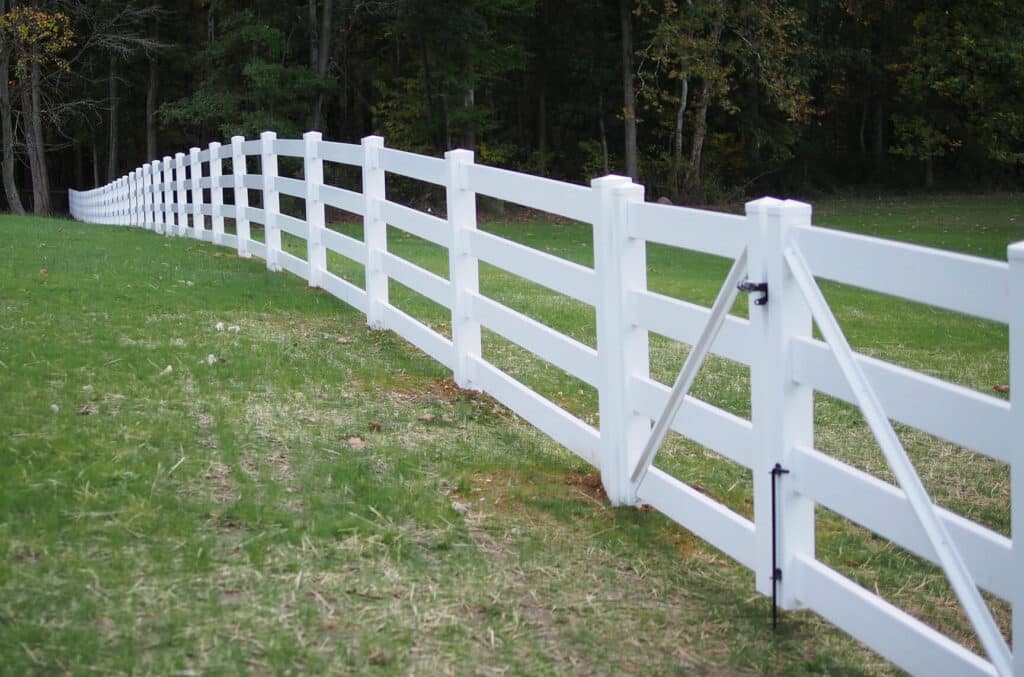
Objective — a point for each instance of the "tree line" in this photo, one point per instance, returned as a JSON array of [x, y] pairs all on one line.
[[700, 100]]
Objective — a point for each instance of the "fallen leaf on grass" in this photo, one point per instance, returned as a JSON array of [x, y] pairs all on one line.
[[167, 370], [43, 272], [344, 339], [356, 442], [460, 508], [1001, 388], [375, 426], [426, 418], [88, 410]]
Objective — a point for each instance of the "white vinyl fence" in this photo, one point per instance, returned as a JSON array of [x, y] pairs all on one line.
[[773, 244]]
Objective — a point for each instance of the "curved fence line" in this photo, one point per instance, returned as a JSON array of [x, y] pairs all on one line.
[[192, 195]]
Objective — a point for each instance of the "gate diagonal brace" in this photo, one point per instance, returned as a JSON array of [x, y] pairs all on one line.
[[719, 311]]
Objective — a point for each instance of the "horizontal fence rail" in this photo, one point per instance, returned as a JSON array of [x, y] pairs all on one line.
[[196, 195]]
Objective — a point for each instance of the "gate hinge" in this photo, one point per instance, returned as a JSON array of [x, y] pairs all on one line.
[[760, 287]]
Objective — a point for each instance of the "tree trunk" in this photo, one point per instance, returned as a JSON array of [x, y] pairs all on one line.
[[677, 138], [211, 13], [323, 59], [700, 128], [95, 165], [79, 177], [929, 173], [628, 95], [428, 91], [34, 143], [542, 127], [604, 139], [115, 104], [37, 123], [314, 36], [10, 185], [469, 133], [153, 91], [878, 145]]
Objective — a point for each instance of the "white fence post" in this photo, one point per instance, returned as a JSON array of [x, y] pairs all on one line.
[[117, 189], [782, 411], [241, 196], [168, 180], [375, 231], [621, 265], [271, 199], [216, 194], [156, 194], [196, 175], [143, 197], [133, 198], [313, 175], [181, 199], [463, 268], [1015, 256]]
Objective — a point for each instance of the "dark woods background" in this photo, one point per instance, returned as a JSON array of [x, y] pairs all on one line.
[[700, 100]]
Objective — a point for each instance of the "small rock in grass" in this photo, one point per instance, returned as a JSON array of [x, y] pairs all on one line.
[[167, 370], [54, 408], [43, 272], [426, 418], [460, 508], [356, 442], [211, 359], [233, 329], [219, 326]]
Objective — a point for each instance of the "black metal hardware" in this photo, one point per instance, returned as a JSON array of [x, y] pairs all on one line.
[[760, 287], [776, 577]]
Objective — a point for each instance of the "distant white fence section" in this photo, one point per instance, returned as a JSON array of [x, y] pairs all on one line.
[[781, 255]]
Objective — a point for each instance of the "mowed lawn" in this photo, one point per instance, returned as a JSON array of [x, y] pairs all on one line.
[[303, 494]]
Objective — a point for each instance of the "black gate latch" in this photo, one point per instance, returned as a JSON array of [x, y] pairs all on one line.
[[760, 287]]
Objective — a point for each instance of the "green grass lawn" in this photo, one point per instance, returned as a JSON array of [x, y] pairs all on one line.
[[307, 495]]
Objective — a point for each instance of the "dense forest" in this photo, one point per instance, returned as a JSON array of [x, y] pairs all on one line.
[[700, 100]]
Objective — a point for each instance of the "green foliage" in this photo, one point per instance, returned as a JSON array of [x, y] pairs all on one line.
[[246, 85]]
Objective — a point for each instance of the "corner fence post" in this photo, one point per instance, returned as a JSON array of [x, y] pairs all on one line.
[[375, 231], [316, 252], [622, 347], [157, 187], [182, 194], [241, 197], [463, 268], [195, 170], [271, 199], [1015, 256], [216, 194], [168, 183], [782, 411]]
